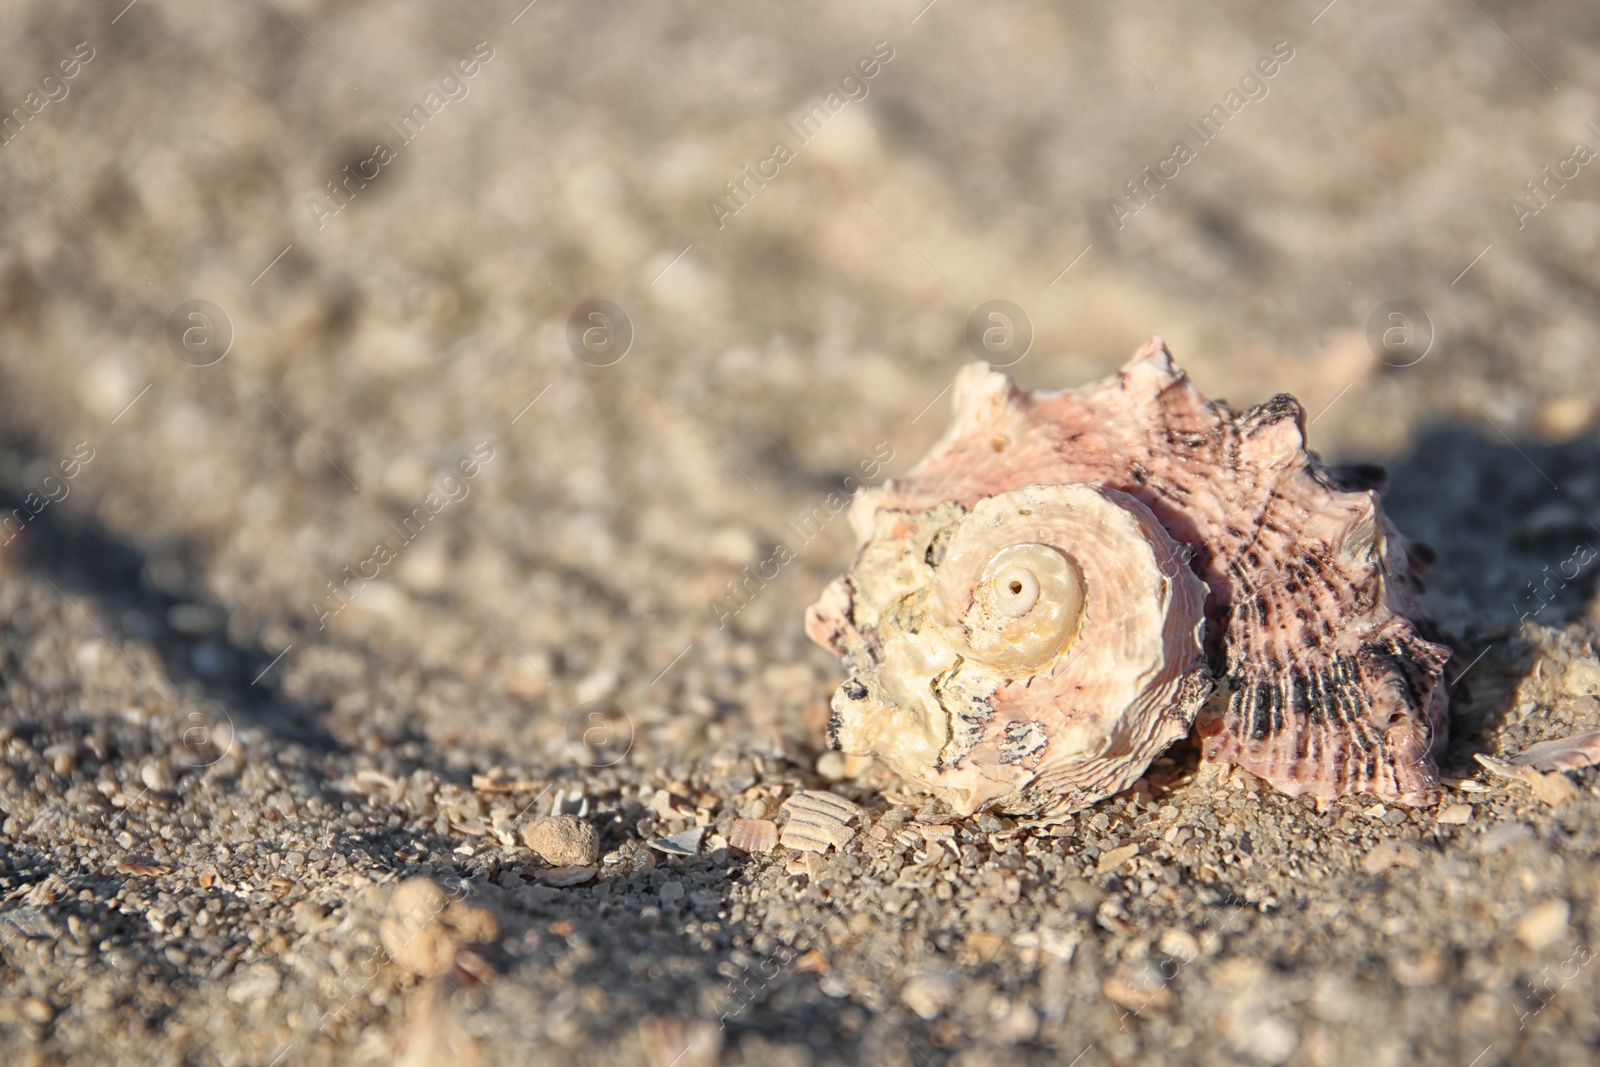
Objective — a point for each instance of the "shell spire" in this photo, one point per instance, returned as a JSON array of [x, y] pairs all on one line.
[[1262, 577]]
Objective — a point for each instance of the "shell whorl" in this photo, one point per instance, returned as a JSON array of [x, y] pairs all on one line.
[[1024, 608], [1046, 643]]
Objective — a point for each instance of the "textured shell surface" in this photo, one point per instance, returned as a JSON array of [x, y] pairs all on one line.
[[1073, 580]]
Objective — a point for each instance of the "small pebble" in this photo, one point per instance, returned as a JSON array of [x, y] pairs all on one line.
[[424, 928], [678, 1042], [1110, 861], [1020, 1024], [256, 983], [928, 996], [830, 765], [1455, 814], [1267, 1038], [1544, 924], [562, 840], [1392, 853], [1180, 943], [156, 775], [1563, 416]]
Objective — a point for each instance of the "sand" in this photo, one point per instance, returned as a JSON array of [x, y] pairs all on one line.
[[345, 558]]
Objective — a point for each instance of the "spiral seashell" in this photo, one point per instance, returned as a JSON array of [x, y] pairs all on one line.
[[1043, 603], [1025, 606], [1039, 648]]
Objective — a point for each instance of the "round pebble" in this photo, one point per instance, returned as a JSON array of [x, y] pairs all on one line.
[[562, 840], [156, 774]]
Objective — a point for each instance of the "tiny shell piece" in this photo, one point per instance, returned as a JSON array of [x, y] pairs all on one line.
[[1136, 992], [668, 806], [489, 783], [1563, 754], [1553, 788], [753, 835], [1110, 861], [137, 867], [685, 843], [562, 877], [1070, 580], [818, 820], [889, 823]]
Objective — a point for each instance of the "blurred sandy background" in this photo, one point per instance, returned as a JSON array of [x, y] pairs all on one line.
[[774, 349]]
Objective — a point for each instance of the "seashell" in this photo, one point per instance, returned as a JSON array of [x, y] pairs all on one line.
[[753, 835], [1070, 581], [818, 821]]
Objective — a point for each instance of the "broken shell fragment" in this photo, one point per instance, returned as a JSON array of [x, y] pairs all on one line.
[[683, 843], [1561, 754], [753, 835], [818, 821], [1551, 787], [1050, 597], [563, 877]]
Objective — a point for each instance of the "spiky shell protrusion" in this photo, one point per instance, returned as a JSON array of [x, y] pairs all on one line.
[[1326, 684]]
